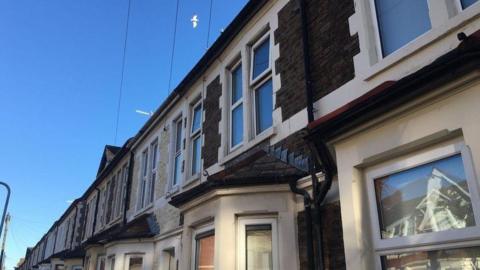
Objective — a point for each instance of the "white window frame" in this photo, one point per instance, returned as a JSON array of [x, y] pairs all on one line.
[[377, 37], [193, 135], [153, 163], [460, 6], [242, 224], [201, 230], [254, 107], [99, 259], [143, 183], [256, 44], [175, 183], [111, 262], [255, 84], [432, 240], [239, 102], [117, 196], [103, 201], [128, 257]]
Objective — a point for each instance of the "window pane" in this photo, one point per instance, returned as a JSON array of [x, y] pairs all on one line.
[[264, 106], [145, 163], [259, 247], [178, 136], [196, 155], [461, 258], [135, 264], [467, 3], [205, 253], [261, 58], [197, 118], [178, 169], [401, 21], [428, 198], [236, 84], [154, 156], [237, 125]]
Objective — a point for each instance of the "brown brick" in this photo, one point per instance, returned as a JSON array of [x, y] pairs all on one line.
[[213, 115]]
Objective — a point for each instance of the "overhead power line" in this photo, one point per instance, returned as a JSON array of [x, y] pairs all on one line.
[[123, 71], [209, 23], [173, 47]]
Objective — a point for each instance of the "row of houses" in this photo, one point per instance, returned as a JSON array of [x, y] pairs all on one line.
[[313, 134]]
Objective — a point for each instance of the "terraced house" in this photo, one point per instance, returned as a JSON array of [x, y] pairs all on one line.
[[313, 134]]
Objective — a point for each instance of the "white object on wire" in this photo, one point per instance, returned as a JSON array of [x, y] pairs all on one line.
[[194, 20]]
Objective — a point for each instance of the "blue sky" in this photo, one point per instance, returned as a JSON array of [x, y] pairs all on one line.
[[60, 66]]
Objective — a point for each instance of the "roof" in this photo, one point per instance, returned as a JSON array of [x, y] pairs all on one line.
[[261, 165], [391, 94], [109, 153]]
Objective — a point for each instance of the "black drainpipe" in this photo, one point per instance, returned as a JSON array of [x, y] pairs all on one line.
[[320, 160]]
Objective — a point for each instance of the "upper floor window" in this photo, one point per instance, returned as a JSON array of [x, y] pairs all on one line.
[[196, 138], [400, 22], [177, 153], [467, 3], [261, 84], [143, 180], [236, 105], [122, 177], [148, 175], [433, 201], [153, 170], [260, 57]]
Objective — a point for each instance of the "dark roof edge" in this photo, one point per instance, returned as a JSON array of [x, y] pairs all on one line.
[[390, 94], [211, 185]]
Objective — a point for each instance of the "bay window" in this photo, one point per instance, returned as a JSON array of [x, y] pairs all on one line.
[[196, 139], [236, 106], [425, 210], [205, 250], [135, 262], [399, 22], [177, 153], [101, 263], [257, 244]]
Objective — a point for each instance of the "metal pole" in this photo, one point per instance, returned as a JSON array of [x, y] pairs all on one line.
[[2, 252], [6, 205], [2, 222]]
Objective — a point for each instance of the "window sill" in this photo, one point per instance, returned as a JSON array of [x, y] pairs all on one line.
[[191, 180], [421, 42], [270, 132], [172, 191], [143, 210]]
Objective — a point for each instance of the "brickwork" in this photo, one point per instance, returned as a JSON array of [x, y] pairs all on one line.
[[168, 218], [213, 115], [333, 249], [331, 51]]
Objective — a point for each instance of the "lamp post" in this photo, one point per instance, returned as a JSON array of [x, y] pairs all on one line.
[[2, 222], [6, 205]]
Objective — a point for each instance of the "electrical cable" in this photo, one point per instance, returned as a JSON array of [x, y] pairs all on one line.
[[209, 23], [173, 47], [123, 71]]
